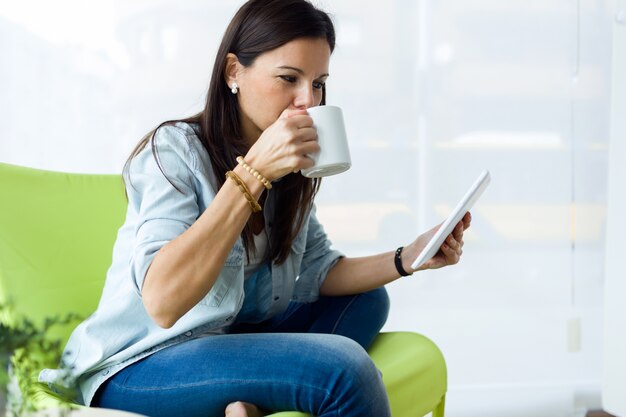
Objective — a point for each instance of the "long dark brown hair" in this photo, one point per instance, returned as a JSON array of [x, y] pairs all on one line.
[[258, 27]]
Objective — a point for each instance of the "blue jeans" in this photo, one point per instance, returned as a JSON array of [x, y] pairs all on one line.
[[311, 358]]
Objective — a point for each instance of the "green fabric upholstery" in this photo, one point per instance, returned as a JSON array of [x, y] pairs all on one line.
[[56, 237]]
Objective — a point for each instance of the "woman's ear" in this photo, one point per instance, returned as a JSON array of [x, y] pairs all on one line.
[[232, 69]]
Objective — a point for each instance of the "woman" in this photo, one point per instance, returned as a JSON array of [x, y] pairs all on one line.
[[224, 295]]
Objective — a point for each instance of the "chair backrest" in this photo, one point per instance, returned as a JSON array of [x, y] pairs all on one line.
[[56, 238]]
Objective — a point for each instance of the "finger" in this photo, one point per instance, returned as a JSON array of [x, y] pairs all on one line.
[[467, 220], [285, 114], [458, 231], [306, 134], [308, 148], [456, 245], [452, 242], [298, 121], [304, 149], [289, 113], [301, 121], [302, 162], [452, 256]]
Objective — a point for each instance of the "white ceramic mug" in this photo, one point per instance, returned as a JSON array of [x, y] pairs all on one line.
[[334, 155]]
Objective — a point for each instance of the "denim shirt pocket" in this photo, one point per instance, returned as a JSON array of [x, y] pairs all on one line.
[[228, 277]]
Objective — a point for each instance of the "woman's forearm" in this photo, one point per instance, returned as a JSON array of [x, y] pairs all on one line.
[[185, 269], [356, 275]]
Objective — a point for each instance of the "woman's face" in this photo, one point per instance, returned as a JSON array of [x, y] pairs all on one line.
[[288, 77]]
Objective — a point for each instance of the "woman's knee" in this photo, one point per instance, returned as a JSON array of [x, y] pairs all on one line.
[[375, 307], [364, 317], [347, 357], [381, 298], [358, 383]]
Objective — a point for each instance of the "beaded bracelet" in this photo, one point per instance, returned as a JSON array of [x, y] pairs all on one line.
[[256, 174], [254, 205]]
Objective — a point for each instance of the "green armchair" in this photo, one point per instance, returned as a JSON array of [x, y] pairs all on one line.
[[56, 238]]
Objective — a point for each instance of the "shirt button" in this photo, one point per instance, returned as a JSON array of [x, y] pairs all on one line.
[[189, 333], [105, 372]]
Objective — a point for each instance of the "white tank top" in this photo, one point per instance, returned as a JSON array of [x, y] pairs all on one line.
[[256, 258]]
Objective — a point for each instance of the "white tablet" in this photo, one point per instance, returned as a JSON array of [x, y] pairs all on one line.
[[466, 203]]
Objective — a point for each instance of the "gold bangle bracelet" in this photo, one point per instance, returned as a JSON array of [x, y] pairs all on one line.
[[254, 205], [256, 174]]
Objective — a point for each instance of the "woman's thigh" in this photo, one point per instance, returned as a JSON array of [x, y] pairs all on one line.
[[358, 317], [325, 375]]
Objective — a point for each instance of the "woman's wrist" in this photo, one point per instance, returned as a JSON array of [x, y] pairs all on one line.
[[255, 173], [399, 263], [255, 186], [257, 164]]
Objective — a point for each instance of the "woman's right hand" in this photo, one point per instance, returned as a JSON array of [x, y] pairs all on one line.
[[283, 147]]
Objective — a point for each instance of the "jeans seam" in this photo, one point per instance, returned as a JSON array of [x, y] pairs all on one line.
[[333, 331], [324, 391], [221, 382]]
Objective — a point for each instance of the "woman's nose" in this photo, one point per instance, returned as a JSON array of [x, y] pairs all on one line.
[[305, 98]]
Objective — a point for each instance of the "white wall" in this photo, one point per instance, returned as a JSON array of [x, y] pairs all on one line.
[[614, 375], [433, 91]]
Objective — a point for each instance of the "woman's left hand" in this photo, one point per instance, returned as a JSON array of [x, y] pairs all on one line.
[[449, 253]]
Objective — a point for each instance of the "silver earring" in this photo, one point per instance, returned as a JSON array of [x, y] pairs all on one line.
[[234, 88]]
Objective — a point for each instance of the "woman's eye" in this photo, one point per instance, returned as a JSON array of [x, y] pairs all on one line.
[[318, 85], [288, 78]]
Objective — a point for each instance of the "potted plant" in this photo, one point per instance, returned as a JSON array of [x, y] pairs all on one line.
[[25, 349]]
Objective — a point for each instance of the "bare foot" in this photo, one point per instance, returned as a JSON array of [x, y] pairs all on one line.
[[241, 409]]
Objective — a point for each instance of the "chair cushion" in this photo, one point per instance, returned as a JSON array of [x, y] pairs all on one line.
[[56, 240]]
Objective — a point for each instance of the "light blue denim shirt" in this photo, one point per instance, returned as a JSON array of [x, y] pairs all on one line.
[[120, 332]]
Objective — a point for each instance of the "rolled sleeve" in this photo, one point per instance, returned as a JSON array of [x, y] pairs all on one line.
[[318, 259], [165, 203]]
